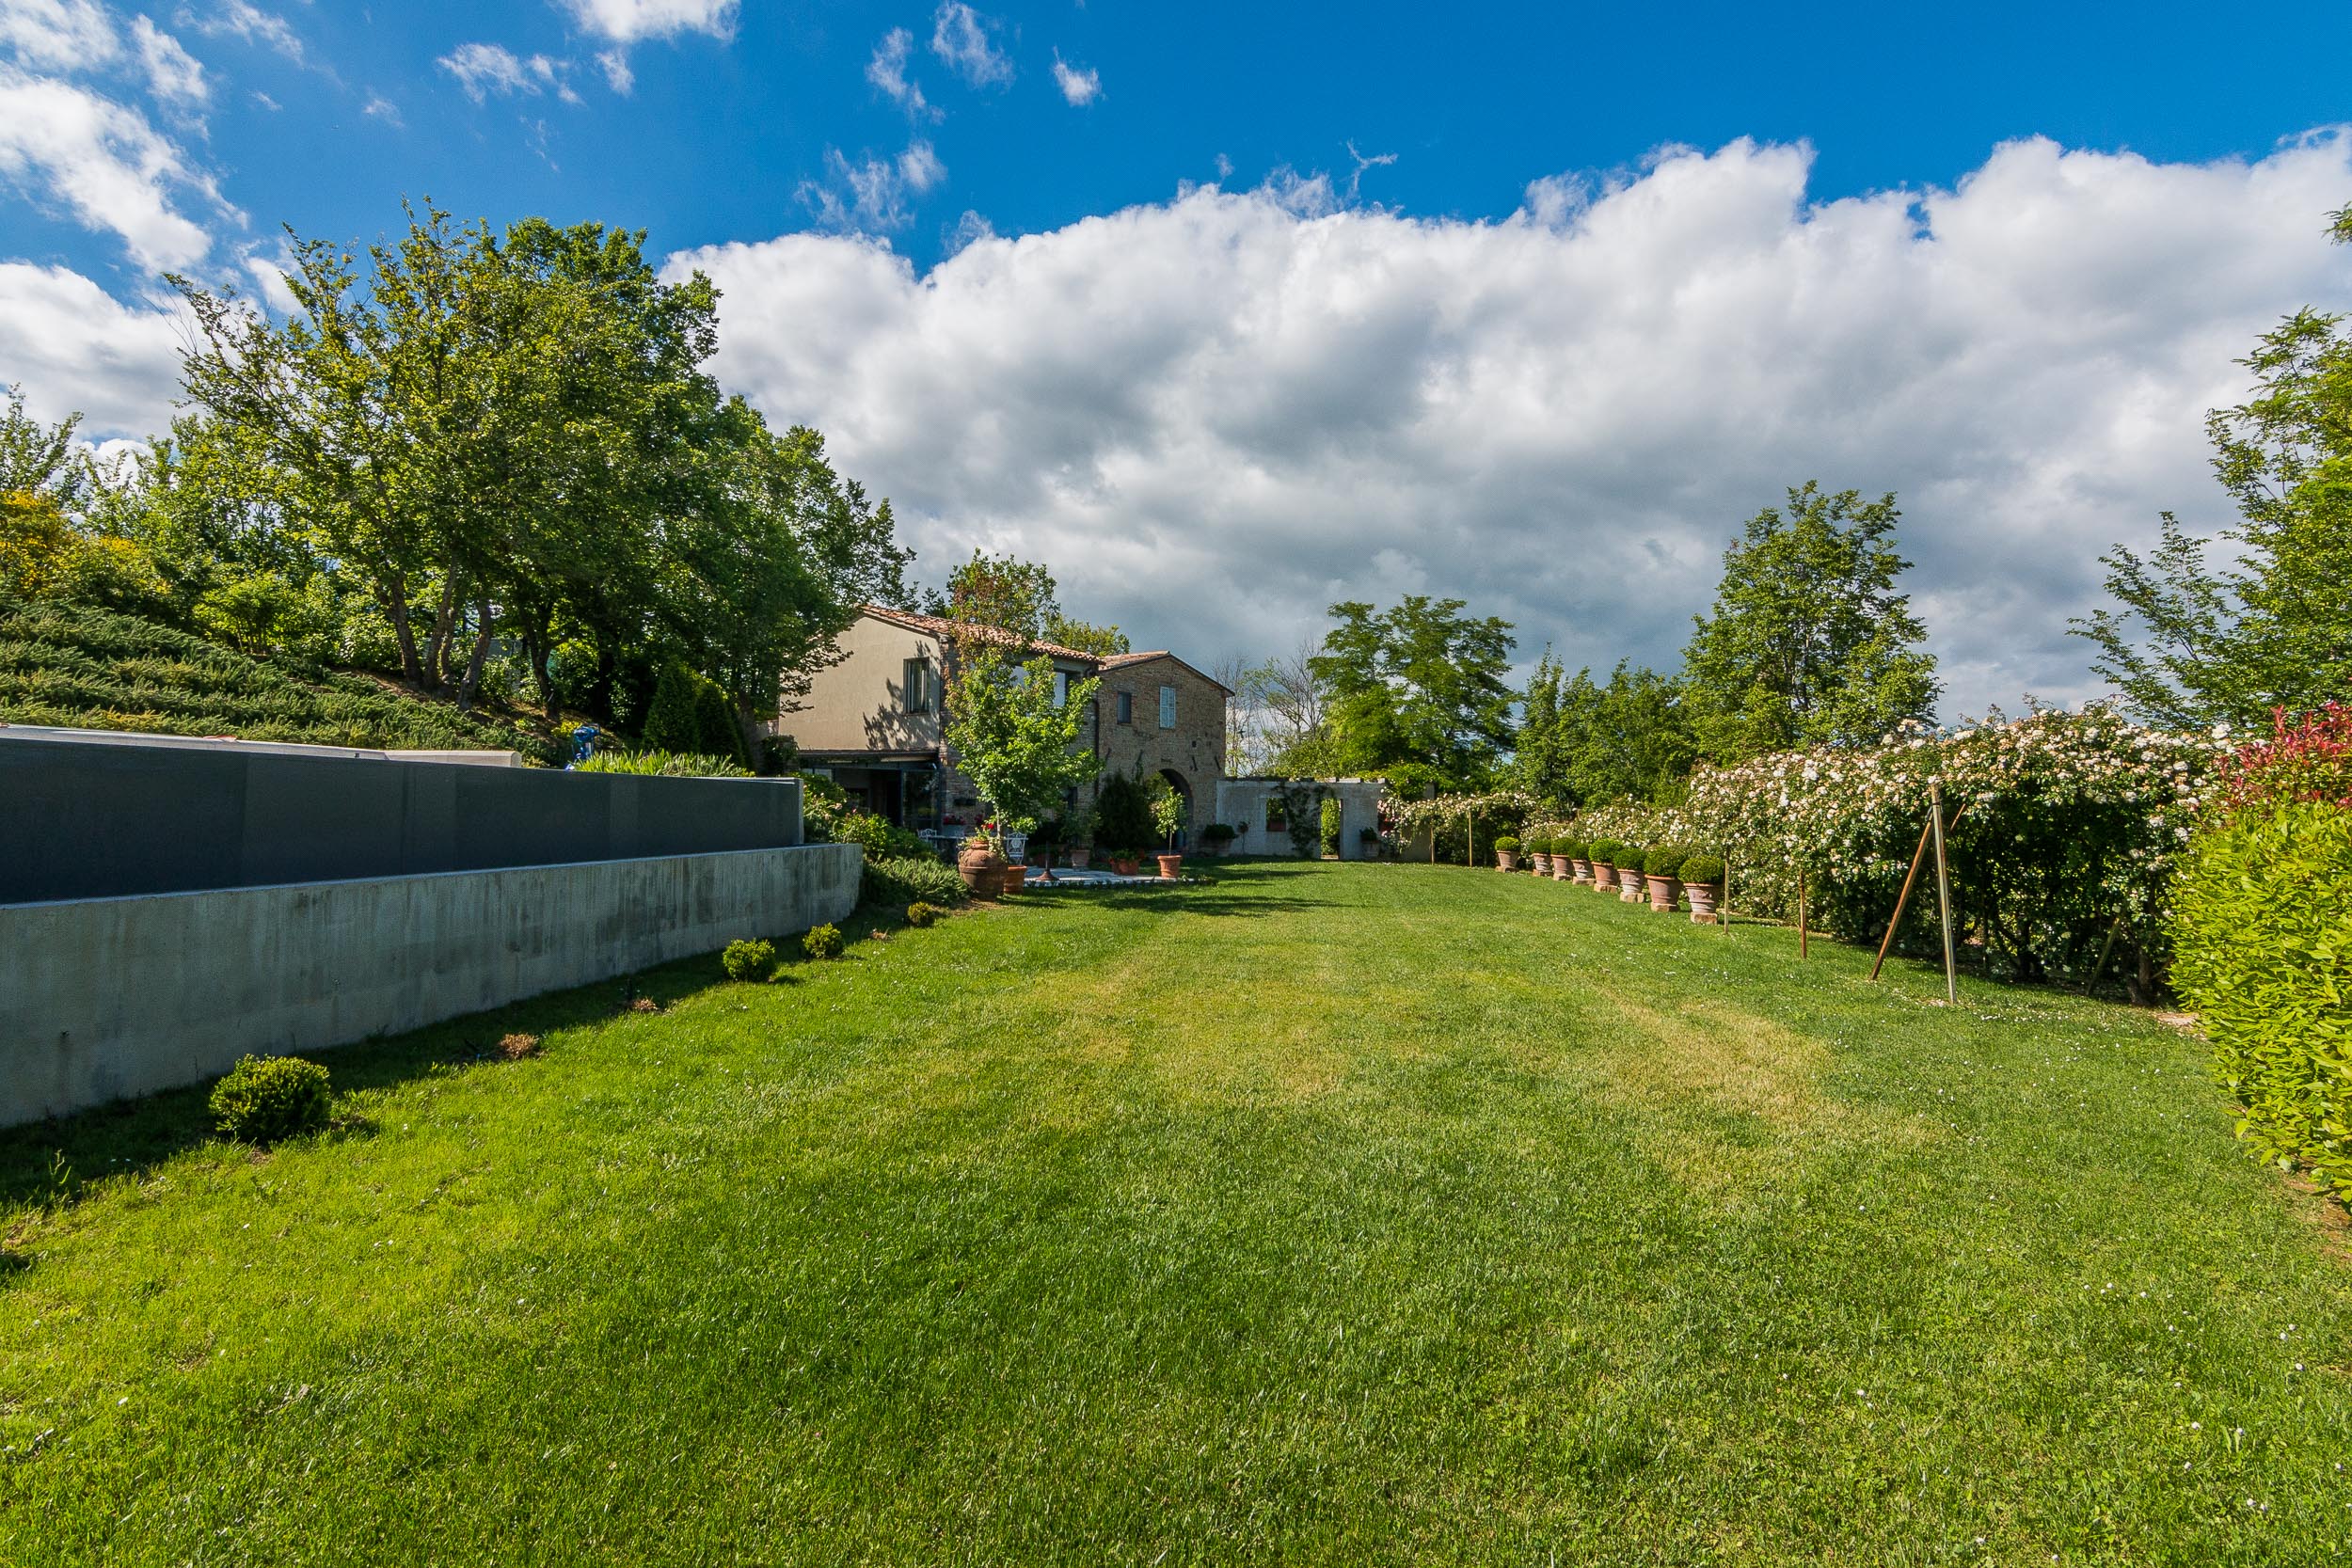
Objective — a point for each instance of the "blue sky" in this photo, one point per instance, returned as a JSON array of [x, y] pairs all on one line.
[[1229, 311], [725, 127]]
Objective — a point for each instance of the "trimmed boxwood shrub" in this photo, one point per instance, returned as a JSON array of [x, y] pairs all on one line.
[[2261, 929], [752, 959], [1506, 845], [1217, 832], [1604, 851], [822, 941], [1706, 870], [264, 1099], [920, 915], [1575, 848], [1664, 861]]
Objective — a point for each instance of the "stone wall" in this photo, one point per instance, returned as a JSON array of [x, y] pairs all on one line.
[[1192, 749]]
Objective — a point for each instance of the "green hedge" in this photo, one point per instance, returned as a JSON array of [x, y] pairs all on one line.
[[2261, 927], [901, 880]]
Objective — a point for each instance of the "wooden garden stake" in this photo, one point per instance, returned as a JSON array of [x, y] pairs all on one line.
[[1726, 910], [1802, 931], [1943, 890], [1904, 897]]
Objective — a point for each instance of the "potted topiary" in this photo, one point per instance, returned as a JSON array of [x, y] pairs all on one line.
[[1507, 853], [1703, 880], [1658, 868], [1604, 863], [1567, 861], [1217, 838], [1078, 837], [1539, 852], [1167, 819], [1629, 860]]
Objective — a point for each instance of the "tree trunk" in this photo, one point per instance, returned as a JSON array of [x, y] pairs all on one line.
[[474, 660], [538, 639], [444, 628], [396, 608]]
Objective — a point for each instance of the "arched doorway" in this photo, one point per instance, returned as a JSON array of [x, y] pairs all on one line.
[[1184, 792]]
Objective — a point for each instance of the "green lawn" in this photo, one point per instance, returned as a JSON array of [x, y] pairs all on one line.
[[1342, 1214]]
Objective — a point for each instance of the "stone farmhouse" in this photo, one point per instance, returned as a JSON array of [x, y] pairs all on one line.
[[874, 722]]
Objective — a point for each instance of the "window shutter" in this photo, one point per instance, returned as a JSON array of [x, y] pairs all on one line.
[[1168, 707]]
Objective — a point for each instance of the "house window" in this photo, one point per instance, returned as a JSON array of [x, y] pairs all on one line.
[[1126, 707], [1168, 707], [919, 691], [1061, 688], [1278, 819]]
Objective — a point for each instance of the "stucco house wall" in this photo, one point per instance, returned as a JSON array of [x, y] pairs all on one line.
[[1242, 804]]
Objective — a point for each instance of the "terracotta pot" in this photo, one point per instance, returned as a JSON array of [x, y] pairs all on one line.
[[1629, 884], [1507, 859], [1664, 894], [1014, 878], [1079, 857], [1702, 902], [1171, 866], [1604, 876], [1543, 864], [981, 868], [1561, 868], [1580, 870], [1123, 864]]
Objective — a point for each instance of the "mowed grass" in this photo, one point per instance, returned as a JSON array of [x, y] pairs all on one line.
[[1332, 1214]]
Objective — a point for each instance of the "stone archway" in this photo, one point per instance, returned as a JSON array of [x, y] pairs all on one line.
[[1184, 792]]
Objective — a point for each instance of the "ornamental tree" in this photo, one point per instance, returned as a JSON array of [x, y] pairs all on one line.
[[1017, 744]]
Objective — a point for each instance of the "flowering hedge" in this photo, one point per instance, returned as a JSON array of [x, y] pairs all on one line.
[[2068, 828], [2263, 924]]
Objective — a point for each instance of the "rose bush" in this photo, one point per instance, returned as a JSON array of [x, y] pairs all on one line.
[[2065, 830]]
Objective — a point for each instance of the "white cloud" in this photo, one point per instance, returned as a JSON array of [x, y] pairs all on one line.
[[380, 107], [243, 20], [920, 168], [959, 37], [58, 34], [484, 69], [1079, 86], [887, 71], [173, 76], [869, 196], [1217, 415], [104, 162], [617, 74], [625, 21], [76, 349]]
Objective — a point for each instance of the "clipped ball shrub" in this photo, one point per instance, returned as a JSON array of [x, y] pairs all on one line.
[[921, 916], [822, 941], [1506, 845], [754, 960], [1706, 870], [264, 1099], [1665, 861], [1604, 851], [1575, 848], [2261, 930]]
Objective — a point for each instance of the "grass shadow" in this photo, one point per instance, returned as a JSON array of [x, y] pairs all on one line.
[[52, 1163]]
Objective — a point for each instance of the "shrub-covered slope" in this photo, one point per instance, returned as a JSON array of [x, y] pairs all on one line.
[[87, 668]]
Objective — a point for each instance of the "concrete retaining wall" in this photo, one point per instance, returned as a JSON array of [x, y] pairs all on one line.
[[84, 817], [100, 998]]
